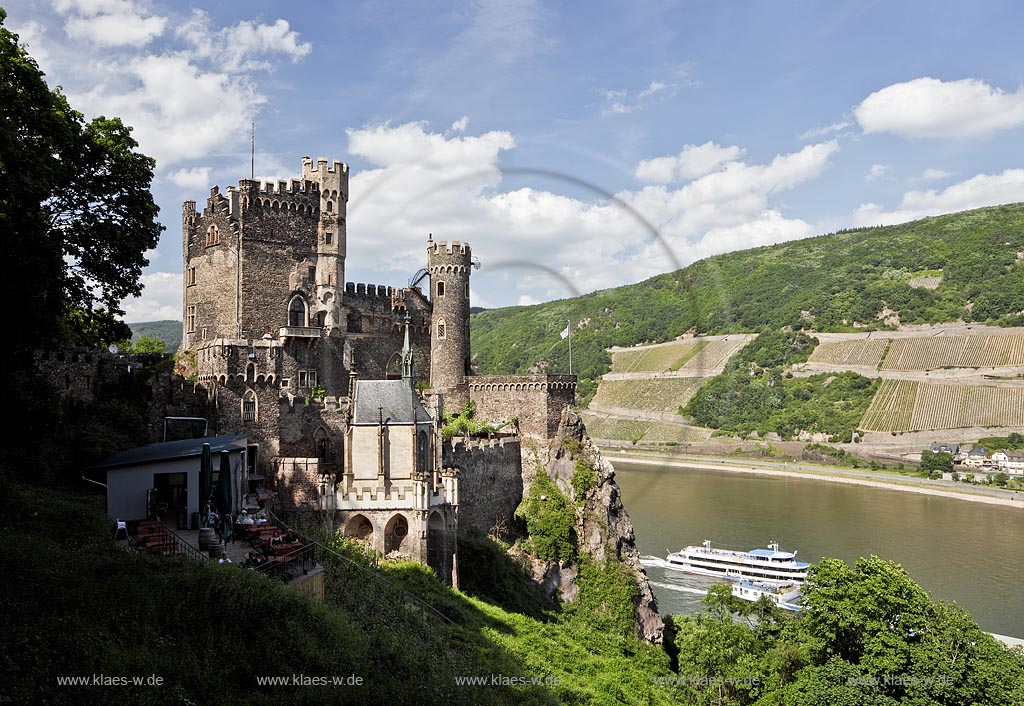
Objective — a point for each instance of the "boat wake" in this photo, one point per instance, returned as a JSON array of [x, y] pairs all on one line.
[[653, 561], [679, 589]]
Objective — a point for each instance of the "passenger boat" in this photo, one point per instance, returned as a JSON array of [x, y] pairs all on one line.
[[769, 564], [784, 595]]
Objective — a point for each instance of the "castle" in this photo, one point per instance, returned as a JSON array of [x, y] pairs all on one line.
[[341, 387]]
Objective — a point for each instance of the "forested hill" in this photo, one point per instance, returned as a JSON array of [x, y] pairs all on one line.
[[826, 283]]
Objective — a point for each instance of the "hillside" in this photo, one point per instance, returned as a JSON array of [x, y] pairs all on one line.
[[167, 331], [959, 266]]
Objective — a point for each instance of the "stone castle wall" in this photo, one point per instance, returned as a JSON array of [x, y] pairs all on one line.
[[536, 401], [490, 481]]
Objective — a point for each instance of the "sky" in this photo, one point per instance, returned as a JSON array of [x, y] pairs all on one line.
[[575, 146]]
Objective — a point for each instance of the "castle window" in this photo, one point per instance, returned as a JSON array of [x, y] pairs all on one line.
[[311, 273], [328, 238], [249, 406], [297, 312], [320, 441], [285, 382], [330, 206], [190, 319], [212, 236], [250, 372], [440, 289], [204, 333], [440, 328], [307, 378], [467, 290], [191, 277]]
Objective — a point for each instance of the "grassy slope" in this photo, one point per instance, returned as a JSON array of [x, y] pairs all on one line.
[[849, 275], [74, 605]]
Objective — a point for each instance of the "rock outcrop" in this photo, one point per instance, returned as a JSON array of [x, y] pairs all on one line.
[[604, 531]]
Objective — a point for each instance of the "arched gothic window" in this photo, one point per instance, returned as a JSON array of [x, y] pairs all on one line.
[[440, 328], [297, 312], [249, 409]]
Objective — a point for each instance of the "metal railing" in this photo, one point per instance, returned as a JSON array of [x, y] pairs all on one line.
[[186, 548]]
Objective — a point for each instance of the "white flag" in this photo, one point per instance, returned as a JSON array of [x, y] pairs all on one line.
[[565, 333]]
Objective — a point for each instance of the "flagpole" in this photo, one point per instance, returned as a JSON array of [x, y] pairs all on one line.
[[568, 325]]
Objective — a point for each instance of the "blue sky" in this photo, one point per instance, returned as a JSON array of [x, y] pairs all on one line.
[[556, 138]]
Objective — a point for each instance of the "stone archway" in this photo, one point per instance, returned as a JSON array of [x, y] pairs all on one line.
[[359, 527], [395, 534]]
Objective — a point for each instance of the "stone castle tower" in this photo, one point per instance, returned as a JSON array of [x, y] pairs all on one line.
[[449, 265], [331, 239]]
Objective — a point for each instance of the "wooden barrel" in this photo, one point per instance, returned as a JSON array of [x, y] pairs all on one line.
[[205, 535], [217, 549]]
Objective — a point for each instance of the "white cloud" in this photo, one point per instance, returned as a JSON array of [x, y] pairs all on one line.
[[877, 171], [622, 101], [527, 300], [110, 23], [816, 133], [652, 89], [116, 30], [450, 186], [160, 300], [178, 110], [694, 161], [30, 34], [196, 178], [933, 174], [461, 124], [243, 47], [976, 192], [929, 107]]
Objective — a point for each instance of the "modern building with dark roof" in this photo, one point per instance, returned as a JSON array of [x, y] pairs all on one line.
[[163, 479]]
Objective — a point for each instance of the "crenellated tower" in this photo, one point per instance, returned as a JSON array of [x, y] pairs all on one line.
[[449, 266], [331, 240]]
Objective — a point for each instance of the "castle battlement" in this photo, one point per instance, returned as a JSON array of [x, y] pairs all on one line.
[[368, 290], [454, 247], [338, 167]]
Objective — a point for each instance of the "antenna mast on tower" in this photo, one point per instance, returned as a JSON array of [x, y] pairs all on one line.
[[252, 152]]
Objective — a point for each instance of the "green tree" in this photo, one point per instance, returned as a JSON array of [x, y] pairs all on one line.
[[936, 461], [75, 209]]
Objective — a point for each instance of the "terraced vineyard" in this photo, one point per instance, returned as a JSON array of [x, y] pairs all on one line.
[[634, 430], [974, 351], [952, 406], [861, 351], [656, 359], [656, 395], [616, 428], [892, 407], [903, 405], [693, 354], [667, 432]]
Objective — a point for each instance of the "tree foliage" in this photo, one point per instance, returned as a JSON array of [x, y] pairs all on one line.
[[75, 209], [867, 635], [936, 461]]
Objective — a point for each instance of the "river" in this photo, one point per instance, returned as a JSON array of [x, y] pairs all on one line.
[[966, 552]]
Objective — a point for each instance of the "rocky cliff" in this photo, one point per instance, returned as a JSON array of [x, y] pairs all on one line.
[[604, 531]]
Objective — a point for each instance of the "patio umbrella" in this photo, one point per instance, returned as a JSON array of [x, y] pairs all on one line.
[[205, 485], [224, 484]]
